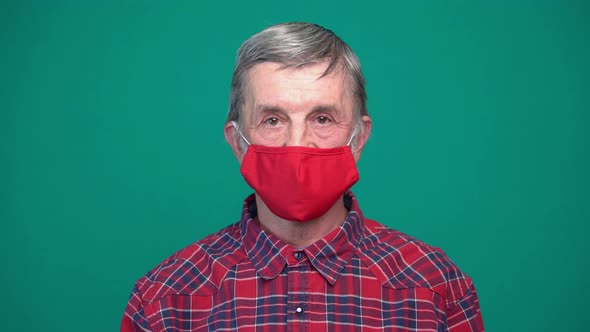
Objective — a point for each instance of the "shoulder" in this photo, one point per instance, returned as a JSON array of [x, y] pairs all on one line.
[[401, 261], [197, 269]]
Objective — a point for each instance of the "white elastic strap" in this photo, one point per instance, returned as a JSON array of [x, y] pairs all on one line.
[[351, 137], [240, 132]]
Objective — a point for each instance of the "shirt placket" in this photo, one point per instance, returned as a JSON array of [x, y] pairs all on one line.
[[298, 298]]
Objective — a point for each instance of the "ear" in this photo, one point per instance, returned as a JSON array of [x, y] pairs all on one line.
[[362, 137], [233, 139]]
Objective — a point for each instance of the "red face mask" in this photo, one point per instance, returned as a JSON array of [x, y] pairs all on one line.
[[299, 183]]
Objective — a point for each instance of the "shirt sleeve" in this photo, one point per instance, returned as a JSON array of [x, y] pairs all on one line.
[[465, 315], [134, 319]]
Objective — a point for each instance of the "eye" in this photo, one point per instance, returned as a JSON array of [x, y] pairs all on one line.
[[271, 121], [323, 120]]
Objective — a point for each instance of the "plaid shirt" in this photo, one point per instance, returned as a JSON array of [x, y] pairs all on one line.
[[361, 277]]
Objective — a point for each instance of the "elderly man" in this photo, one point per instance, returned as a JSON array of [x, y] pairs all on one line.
[[302, 257]]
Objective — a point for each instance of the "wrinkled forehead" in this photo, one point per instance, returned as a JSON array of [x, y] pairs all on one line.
[[296, 93], [265, 74]]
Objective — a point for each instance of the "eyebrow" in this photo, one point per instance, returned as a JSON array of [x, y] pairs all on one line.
[[274, 108], [268, 108], [326, 109]]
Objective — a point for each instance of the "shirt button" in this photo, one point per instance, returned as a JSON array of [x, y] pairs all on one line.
[[298, 310], [298, 255]]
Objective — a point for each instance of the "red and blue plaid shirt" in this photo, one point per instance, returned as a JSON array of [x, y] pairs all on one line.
[[361, 277]]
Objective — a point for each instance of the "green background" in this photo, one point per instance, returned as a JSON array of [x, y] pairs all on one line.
[[113, 157]]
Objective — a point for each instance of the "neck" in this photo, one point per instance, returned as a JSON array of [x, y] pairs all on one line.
[[301, 234]]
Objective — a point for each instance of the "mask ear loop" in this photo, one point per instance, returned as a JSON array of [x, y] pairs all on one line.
[[352, 137], [240, 132]]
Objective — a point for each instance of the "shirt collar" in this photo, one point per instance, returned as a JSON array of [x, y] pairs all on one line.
[[329, 255]]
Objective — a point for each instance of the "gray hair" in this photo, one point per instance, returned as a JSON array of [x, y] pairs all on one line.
[[294, 45]]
